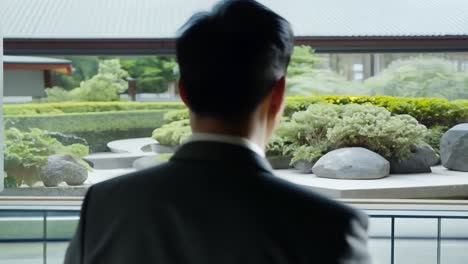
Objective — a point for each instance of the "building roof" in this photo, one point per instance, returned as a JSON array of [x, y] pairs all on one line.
[[33, 60], [36, 63], [154, 19]]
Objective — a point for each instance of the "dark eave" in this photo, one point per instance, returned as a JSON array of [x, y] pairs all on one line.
[[61, 67], [167, 46]]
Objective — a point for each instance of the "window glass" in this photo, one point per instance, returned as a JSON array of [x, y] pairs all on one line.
[[99, 117]]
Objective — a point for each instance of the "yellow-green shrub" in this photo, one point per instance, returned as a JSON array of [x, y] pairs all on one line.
[[86, 107]]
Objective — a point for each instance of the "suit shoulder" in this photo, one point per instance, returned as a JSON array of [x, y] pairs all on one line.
[[132, 183], [311, 200]]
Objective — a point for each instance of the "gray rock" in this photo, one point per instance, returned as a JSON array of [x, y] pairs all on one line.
[[352, 163], [428, 154], [454, 148], [413, 164], [279, 163], [61, 168], [420, 161], [303, 166]]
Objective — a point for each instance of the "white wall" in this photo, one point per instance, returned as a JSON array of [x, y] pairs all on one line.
[[23, 83]]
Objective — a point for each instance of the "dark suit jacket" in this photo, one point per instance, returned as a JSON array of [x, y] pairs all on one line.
[[214, 203]]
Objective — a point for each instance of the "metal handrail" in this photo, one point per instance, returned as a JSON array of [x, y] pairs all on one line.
[[45, 213]]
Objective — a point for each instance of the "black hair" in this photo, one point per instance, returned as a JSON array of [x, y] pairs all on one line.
[[231, 57]]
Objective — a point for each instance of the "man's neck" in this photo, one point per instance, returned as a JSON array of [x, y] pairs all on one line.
[[246, 130]]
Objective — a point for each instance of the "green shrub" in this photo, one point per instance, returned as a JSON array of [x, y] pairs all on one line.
[[29, 151], [275, 146], [428, 111], [309, 153], [100, 88], [176, 115], [324, 127], [434, 136], [96, 128], [375, 128], [57, 94], [104, 86], [307, 131], [86, 107], [173, 134]]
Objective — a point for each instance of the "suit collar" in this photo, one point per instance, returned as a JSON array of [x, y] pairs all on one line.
[[220, 152], [244, 142]]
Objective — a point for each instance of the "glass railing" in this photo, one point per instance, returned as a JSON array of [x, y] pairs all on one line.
[[32, 235]]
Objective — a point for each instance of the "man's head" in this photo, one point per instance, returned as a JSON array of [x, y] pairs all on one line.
[[232, 59]]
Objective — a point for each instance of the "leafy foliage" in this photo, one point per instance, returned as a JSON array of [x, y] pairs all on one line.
[[375, 128], [434, 136], [307, 131], [104, 86], [86, 107], [176, 115], [153, 74], [324, 127], [428, 111], [96, 128], [30, 151], [420, 77], [173, 134], [84, 67]]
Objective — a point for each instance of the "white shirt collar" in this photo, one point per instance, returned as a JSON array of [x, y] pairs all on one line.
[[240, 141]]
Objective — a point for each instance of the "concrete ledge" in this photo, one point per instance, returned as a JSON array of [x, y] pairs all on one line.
[[131, 145], [110, 160], [441, 183], [46, 191]]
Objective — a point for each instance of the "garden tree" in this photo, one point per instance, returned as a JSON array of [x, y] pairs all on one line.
[[323, 81], [420, 77], [303, 60], [84, 67], [104, 86], [153, 73], [112, 70], [307, 76]]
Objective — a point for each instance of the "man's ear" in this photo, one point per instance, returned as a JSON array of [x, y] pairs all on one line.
[[277, 96], [182, 93]]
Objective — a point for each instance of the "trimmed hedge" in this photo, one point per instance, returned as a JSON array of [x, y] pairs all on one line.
[[97, 128], [428, 111], [86, 107], [101, 122]]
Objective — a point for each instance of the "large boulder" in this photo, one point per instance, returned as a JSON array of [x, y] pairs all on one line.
[[454, 148], [65, 168], [352, 163], [421, 159]]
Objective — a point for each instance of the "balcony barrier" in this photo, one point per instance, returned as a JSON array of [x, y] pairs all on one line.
[[42, 226]]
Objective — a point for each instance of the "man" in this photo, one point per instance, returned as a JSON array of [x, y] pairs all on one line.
[[217, 200]]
